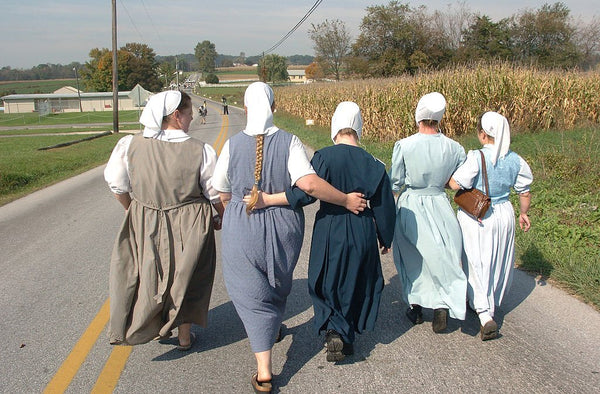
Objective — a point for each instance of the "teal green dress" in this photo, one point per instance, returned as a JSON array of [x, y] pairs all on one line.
[[427, 237]]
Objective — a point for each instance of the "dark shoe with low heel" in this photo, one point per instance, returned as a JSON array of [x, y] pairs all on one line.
[[440, 320], [336, 346], [415, 314], [260, 387], [489, 331]]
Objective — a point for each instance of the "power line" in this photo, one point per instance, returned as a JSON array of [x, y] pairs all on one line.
[[151, 20], [131, 20], [314, 7]]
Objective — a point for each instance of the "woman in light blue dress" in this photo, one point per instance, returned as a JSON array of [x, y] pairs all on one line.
[[489, 243], [427, 239]]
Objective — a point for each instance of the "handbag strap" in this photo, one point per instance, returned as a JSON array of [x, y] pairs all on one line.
[[484, 173]]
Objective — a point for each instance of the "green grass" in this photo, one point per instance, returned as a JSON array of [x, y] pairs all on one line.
[[233, 94], [66, 118], [563, 244], [28, 87], [72, 129], [24, 169]]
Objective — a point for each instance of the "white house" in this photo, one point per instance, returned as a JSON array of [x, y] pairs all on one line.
[[65, 99]]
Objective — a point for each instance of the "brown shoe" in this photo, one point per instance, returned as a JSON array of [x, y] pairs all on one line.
[[489, 331], [440, 320], [260, 387]]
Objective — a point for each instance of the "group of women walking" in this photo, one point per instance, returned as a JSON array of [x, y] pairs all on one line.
[[163, 263]]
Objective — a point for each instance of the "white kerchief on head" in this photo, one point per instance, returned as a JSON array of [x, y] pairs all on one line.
[[258, 100], [430, 107], [496, 126], [347, 114], [159, 106]]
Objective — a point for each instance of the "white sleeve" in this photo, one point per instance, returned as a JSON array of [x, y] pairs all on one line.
[[116, 173], [220, 180], [466, 173], [208, 168], [298, 163], [524, 178]]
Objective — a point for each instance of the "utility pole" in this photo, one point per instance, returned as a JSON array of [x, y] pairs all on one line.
[[78, 91], [115, 77], [177, 72]]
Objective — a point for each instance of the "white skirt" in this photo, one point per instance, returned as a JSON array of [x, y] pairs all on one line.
[[489, 247]]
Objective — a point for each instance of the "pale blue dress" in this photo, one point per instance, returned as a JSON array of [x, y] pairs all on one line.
[[427, 237]]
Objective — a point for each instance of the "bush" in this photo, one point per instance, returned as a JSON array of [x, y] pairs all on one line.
[[211, 78]]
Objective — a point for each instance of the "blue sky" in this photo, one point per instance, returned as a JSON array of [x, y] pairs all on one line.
[[36, 32]]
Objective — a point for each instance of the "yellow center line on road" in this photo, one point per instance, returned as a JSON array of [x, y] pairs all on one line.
[[109, 377], [222, 137], [65, 374]]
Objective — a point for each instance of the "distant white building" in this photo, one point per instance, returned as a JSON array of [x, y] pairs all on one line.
[[65, 99], [297, 75]]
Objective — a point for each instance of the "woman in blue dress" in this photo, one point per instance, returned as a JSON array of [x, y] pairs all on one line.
[[489, 244], [261, 246], [344, 273], [427, 238]]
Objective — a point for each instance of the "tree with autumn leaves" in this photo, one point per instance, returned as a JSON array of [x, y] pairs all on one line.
[[136, 64]]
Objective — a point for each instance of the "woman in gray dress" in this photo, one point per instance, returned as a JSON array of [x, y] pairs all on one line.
[[262, 246], [163, 262]]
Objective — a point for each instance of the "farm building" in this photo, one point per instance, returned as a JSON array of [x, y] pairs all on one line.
[[297, 75], [65, 99]]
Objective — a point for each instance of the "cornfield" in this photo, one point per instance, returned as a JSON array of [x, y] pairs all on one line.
[[529, 98]]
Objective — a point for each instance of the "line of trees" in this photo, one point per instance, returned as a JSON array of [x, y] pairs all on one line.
[[397, 38]]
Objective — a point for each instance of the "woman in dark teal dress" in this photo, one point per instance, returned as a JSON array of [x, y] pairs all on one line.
[[344, 274]]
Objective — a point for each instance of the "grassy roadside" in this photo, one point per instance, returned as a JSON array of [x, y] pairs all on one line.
[[24, 169], [68, 118]]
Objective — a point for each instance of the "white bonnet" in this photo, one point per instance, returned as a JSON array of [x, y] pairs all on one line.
[[258, 100], [347, 114], [430, 107], [496, 126], [159, 106]]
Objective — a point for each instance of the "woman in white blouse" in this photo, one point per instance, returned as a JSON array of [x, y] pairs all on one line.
[[489, 243]]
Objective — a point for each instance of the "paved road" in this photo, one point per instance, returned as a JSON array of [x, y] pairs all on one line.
[[56, 245]]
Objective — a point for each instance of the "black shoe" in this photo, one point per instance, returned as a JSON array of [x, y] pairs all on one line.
[[489, 331], [415, 314], [335, 346], [280, 334], [440, 320], [348, 349]]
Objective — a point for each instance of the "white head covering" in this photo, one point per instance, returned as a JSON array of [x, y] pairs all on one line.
[[159, 106], [258, 100], [496, 126], [347, 114], [430, 107]]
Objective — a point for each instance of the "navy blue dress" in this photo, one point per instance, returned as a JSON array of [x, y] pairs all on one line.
[[344, 274]]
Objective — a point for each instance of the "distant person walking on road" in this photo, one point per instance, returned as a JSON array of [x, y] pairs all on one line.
[[489, 244], [427, 239], [163, 263], [203, 110], [225, 106], [261, 246]]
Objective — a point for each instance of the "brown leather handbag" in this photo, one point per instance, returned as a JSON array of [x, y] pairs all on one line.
[[473, 201]]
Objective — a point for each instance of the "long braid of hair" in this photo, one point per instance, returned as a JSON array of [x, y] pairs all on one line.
[[257, 171]]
